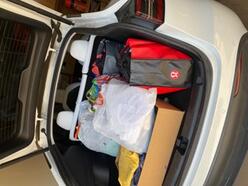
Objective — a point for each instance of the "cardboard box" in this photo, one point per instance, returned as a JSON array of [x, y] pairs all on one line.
[[165, 131]]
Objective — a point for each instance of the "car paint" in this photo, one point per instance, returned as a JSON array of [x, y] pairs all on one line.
[[216, 31]]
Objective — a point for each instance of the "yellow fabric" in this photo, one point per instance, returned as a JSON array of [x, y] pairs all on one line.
[[127, 162]]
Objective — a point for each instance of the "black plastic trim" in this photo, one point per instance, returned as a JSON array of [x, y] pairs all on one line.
[[42, 36], [41, 11], [233, 145], [62, 168], [119, 32]]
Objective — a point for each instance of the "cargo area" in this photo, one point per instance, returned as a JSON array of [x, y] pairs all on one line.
[[129, 96], [172, 126]]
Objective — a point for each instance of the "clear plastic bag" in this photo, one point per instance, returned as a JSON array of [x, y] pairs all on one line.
[[127, 115], [91, 138]]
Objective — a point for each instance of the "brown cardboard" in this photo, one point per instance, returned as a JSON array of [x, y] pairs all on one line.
[[165, 131]]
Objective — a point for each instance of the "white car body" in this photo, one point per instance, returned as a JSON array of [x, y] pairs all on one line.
[[207, 25]]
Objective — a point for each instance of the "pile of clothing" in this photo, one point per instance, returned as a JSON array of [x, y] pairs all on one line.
[[118, 116], [118, 122]]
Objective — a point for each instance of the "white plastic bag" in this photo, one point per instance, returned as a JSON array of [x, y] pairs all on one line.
[[91, 138], [126, 115]]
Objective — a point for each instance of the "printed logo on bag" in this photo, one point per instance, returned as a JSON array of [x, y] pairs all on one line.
[[175, 74]]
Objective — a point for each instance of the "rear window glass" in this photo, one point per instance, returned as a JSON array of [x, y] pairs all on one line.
[[15, 47], [150, 10]]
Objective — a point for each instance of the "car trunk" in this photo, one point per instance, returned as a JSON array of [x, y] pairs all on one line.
[[87, 167]]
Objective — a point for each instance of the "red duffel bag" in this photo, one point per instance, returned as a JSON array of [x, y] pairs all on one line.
[[150, 64]]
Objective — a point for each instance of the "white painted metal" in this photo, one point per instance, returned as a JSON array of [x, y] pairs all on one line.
[[216, 31], [85, 70]]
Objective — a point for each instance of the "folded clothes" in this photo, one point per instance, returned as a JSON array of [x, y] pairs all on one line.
[[127, 163]]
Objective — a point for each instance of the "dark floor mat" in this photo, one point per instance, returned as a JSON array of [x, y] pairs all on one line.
[[88, 167], [91, 168], [61, 138]]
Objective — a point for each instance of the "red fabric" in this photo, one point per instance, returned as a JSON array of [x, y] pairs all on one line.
[[142, 49], [164, 90]]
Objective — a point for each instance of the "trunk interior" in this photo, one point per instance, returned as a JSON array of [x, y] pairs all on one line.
[[88, 167]]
